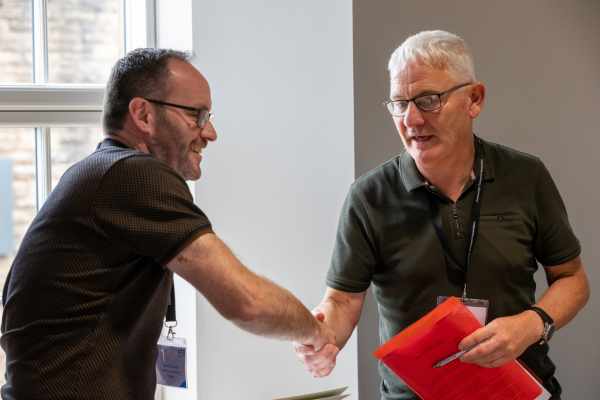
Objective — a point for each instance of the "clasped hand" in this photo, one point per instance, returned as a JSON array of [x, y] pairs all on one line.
[[319, 362]]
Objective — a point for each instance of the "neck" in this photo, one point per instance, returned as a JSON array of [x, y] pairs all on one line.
[[129, 140], [451, 175]]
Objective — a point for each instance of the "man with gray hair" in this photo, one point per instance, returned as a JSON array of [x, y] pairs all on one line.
[[404, 227]]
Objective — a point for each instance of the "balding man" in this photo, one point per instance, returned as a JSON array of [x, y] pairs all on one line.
[[406, 227], [86, 296]]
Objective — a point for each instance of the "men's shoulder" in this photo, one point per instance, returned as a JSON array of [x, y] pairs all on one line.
[[139, 178], [113, 155], [139, 166], [513, 165], [138, 160], [502, 154], [384, 175], [104, 159]]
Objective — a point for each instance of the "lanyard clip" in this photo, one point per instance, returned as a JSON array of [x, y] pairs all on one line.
[[171, 333], [464, 295]]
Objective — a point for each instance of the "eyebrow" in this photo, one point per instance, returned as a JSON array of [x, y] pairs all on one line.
[[421, 93], [427, 91]]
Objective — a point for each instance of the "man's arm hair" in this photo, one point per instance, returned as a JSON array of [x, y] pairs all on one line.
[[251, 302]]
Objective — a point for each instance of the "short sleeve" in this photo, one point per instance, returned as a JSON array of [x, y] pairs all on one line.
[[554, 242], [144, 206], [355, 256]]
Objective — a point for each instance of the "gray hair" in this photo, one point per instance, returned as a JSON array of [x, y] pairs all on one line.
[[140, 73], [437, 49]]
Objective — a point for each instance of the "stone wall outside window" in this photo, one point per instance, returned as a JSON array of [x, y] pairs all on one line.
[[84, 40]]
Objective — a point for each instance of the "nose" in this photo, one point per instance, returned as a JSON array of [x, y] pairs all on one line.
[[413, 116], [208, 132]]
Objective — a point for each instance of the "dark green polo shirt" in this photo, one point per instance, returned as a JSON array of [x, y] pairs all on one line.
[[386, 237]]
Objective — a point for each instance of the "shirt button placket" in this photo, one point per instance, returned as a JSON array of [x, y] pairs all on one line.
[[456, 222]]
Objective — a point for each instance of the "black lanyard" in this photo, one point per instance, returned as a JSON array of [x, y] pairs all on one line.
[[171, 315], [436, 217]]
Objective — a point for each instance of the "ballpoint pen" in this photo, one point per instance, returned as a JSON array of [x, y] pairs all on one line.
[[457, 355]]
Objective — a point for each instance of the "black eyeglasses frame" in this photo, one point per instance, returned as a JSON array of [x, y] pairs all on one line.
[[425, 95], [203, 115]]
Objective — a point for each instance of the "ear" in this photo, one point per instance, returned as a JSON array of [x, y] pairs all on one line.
[[477, 96], [142, 115]]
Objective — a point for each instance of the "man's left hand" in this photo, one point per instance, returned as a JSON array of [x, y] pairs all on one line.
[[509, 337]]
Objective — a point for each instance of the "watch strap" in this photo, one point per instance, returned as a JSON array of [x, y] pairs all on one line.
[[548, 324], [545, 317]]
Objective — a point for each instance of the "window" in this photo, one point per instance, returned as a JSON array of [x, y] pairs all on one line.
[[55, 58], [17, 191]]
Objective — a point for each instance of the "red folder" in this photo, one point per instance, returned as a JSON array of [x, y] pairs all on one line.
[[413, 352]]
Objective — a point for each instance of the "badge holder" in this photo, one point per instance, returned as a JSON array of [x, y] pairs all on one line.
[[478, 307], [171, 363]]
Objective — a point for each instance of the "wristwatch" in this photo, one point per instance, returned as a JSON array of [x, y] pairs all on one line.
[[548, 324]]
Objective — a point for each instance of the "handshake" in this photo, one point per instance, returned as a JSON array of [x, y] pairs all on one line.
[[318, 353]]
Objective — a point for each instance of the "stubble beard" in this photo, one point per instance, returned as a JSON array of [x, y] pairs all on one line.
[[169, 149]]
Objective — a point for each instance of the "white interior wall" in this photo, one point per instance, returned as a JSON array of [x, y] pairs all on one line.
[[274, 181], [539, 61], [174, 30]]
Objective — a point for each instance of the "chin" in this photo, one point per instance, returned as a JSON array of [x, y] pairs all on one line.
[[425, 156], [189, 171], [193, 175]]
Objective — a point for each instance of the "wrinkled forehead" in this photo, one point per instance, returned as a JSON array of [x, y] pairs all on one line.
[[403, 71], [410, 77]]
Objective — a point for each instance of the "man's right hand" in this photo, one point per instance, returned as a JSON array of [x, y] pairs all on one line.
[[319, 354]]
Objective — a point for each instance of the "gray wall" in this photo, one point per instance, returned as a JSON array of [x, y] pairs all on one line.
[[540, 62], [275, 180]]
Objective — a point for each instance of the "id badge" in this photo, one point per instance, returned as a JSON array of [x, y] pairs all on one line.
[[478, 307], [171, 362]]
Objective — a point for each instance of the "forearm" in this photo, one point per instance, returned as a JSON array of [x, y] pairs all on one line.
[[274, 312], [567, 293], [341, 315], [251, 302], [565, 297]]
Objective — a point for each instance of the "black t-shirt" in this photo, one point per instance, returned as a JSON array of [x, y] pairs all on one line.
[[86, 295]]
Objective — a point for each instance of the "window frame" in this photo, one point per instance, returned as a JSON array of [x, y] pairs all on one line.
[[148, 23], [42, 106]]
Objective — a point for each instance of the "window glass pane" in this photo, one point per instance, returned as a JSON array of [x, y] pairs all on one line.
[[85, 38], [17, 198], [16, 42], [71, 145]]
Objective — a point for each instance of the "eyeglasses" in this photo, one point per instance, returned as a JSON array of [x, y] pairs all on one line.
[[427, 102], [203, 115]]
